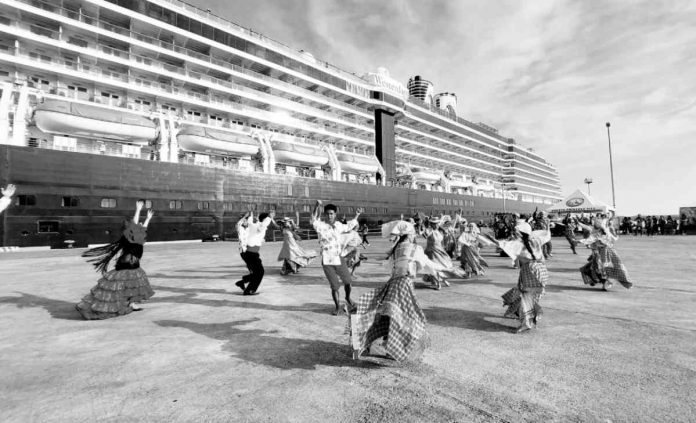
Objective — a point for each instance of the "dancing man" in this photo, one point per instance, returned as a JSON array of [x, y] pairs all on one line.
[[7, 194], [118, 291], [332, 259], [252, 234]]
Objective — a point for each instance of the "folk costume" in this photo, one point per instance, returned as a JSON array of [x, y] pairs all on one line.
[[251, 237], [469, 254], [435, 251], [391, 312], [604, 263], [523, 300], [292, 254], [118, 289]]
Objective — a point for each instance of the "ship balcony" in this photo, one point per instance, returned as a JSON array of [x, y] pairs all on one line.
[[199, 58], [193, 77]]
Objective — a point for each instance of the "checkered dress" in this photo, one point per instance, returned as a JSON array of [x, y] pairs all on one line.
[[522, 301], [391, 311], [604, 264]]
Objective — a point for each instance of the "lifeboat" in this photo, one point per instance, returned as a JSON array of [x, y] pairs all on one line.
[[459, 181], [211, 141], [299, 155], [85, 120], [352, 163], [423, 175]]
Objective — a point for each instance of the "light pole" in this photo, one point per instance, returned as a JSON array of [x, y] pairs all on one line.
[[588, 181], [611, 169]]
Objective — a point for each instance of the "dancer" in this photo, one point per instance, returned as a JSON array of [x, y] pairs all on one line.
[[119, 290], [252, 234], [471, 261], [435, 251], [364, 231], [392, 312], [523, 300], [332, 259], [570, 226], [350, 242], [604, 263], [292, 254], [7, 194]]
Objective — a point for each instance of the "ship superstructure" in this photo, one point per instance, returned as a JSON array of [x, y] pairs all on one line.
[[165, 82]]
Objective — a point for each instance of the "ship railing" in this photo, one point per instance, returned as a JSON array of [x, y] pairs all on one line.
[[169, 46], [227, 24]]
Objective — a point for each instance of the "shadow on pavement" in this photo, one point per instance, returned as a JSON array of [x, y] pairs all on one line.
[[56, 308], [191, 298], [189, 290], [261, 347], [466, 319]]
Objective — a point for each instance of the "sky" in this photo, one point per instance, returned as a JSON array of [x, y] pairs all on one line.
[[549, 74]]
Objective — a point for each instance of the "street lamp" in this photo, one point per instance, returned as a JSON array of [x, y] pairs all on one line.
[[588, 181], [611, 169]]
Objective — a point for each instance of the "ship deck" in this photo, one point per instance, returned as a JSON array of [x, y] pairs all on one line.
[[202, 352]]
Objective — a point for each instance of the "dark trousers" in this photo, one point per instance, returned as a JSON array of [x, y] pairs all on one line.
[[546, 249], [256, 271]]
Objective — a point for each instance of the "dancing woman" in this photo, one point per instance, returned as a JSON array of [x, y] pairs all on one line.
[[470, 258], [119, 290], [523, 300], [292, 254], [604, 263], [435, 251], [392, 312]]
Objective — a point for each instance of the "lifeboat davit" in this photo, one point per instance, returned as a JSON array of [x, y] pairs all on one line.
[[299, 155], [55, 116], [423, 175], [200, 139], [352, 163]]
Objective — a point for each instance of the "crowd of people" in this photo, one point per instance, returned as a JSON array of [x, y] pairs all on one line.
[[388, 318], [654, 225]]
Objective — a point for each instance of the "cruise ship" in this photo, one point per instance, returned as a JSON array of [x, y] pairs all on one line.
[[107, 102]]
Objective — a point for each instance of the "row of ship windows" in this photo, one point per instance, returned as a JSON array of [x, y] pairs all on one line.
[[111, 203], [453, 202]]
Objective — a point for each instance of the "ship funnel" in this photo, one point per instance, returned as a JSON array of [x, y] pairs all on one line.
[[447, 102], [421, 89]]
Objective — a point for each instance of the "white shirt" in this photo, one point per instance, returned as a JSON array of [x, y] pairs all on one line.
[[4, 202], [331, 241], [253, 235]]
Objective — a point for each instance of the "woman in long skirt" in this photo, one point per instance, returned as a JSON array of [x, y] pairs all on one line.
[[391, 314], [119, 290], [471, 261], [435, 251], [292, 254], [523, 300], [604, 263]]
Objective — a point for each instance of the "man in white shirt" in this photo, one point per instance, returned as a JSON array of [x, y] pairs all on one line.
[[252, 233], [332, 252], [7, 194]]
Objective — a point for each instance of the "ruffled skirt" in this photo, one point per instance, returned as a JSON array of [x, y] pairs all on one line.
[[114, 293], [471, 261], [522, 301], [294, 257], [605, 264], [390, 312]]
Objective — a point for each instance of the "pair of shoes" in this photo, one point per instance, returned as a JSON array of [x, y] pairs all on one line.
[[336, 312], [134, 307], [523, 327], [250, 293], [606, 286], [240, 284]]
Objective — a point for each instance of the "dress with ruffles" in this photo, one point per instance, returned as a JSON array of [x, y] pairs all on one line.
[[392, 311], [127, 283], [522, 301], [293, 255], [604, 263]]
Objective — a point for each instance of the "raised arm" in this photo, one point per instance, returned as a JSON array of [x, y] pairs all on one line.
[[138, 207], [7, 194], [353, 222], [150, 213], [316, 212]]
